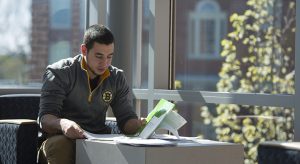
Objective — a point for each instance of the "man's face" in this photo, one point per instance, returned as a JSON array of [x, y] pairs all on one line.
[[98, 58]]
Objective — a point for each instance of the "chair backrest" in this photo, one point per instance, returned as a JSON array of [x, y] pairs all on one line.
[[19, 106]]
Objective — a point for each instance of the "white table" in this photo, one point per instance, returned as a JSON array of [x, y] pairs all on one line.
[[203, 152]]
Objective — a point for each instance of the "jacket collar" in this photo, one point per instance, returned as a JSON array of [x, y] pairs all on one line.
[[84, 67]]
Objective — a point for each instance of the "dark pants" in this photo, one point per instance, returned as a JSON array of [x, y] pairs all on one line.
[[57, 149]]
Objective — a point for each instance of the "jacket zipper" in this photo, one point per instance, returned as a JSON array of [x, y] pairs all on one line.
[[91, 92]]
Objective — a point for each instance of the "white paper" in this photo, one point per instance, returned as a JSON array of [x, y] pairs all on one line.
[[103, 137], [122, 139], [136, 141], [175, 120], [172, 122]]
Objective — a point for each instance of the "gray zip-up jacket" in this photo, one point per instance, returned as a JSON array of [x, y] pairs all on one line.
[[66, 93]]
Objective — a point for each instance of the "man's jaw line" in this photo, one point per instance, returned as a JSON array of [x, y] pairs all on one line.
[[92, 73]]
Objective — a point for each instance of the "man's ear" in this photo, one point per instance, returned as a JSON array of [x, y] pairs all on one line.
[[83, 49]]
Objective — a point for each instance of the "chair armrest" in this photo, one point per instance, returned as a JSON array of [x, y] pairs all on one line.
[[18, 141], [18, 121]]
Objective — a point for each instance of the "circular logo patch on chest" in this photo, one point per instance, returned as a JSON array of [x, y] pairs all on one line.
[[107, 96]]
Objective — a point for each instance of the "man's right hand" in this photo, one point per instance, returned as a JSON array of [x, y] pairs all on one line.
[[71, 129], [53, 125]]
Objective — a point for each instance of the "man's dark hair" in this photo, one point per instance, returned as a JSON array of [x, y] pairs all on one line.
[[97, 33]]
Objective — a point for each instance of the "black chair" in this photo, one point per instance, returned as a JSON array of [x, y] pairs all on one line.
[[19, 129], [275, 152]]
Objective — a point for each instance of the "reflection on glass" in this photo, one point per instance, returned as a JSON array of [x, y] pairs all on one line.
[[247, 125], [33, 34], [238, 46], [60, 14], [207, 36]]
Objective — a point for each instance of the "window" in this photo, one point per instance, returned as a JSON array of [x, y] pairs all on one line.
[[34, 34], [60, 14], [59, 50], [250, 59], [246, 76], [206, 28], [15, 20]]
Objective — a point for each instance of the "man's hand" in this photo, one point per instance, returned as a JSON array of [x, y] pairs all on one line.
[[71, 129], [143, 121], [53, 125], [133, 125]]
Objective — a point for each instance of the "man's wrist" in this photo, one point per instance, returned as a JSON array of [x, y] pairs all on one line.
[[132, 126], [50, 124]]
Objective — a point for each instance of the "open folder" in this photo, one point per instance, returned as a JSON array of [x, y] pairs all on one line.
[[162, 117]]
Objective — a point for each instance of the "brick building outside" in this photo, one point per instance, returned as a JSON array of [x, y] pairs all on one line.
[[57, 32]]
